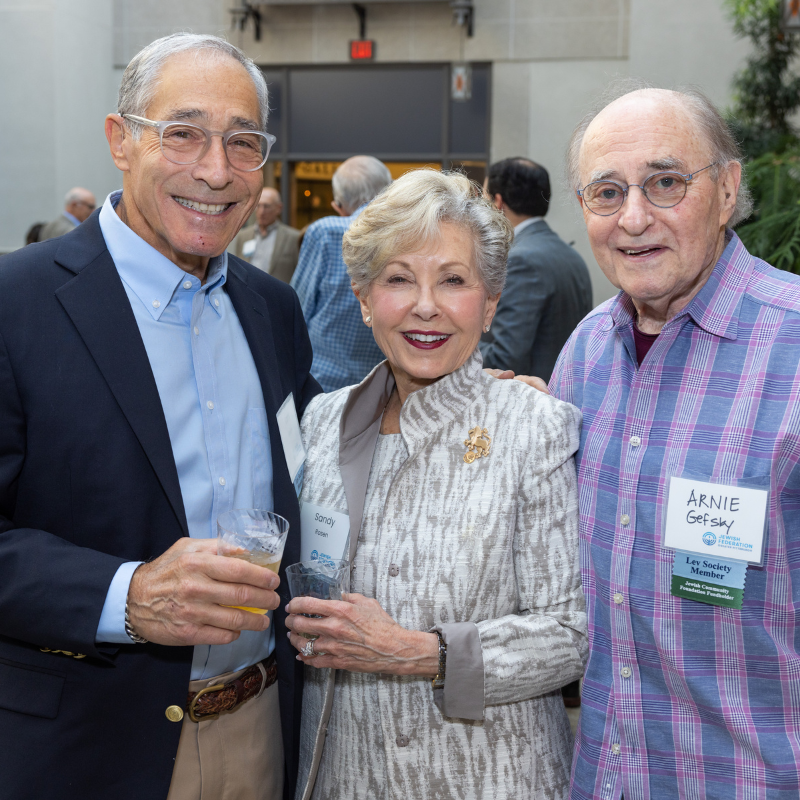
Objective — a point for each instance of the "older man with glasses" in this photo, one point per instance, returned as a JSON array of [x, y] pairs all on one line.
[[78, 205], [688, 469], [150, 382]]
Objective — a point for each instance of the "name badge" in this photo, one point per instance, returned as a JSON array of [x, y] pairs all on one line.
[[293, 449], [716, 520], [716, 530], [324, 533]]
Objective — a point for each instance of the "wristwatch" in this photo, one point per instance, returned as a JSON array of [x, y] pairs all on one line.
[[438, 681]]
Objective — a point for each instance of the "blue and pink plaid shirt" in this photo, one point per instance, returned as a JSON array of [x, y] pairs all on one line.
[[683, 699]]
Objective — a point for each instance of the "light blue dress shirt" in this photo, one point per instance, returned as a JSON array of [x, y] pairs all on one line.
[[214, 408], [72, 218]]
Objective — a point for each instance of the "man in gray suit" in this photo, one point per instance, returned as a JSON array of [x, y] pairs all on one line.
[[78, 205], [269, 244], [548, 290]]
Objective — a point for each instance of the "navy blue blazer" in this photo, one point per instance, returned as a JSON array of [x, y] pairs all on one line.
[[87, 482]]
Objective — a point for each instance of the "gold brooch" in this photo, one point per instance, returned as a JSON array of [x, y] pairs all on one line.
[[478, 444]]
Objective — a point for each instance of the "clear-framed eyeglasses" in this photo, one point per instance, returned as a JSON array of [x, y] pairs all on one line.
[[185, 143], [663, 189]]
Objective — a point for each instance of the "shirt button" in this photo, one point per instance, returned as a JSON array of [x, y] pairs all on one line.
[[616, 749], [625, 672], [196, 331], [394, 570], [618, 598], [624, 519], [156, 304], [216, 302], [635, 441], [210, 405], [187, 284], [222, 481], [402, 741]]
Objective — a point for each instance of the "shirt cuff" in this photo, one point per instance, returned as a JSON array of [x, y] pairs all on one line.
[[111, 627], [462, 695]]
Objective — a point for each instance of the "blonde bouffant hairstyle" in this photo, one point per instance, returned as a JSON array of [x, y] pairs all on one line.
[[407, 216]]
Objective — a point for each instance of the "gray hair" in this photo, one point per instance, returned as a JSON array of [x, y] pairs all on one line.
[[721, 143], [358, 180], [408, 215], [75, 195], [141, 77]]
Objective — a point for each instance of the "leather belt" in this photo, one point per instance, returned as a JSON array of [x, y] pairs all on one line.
[[210, 702]]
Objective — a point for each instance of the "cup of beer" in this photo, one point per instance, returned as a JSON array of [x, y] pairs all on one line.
[[253, 535], [325, 580]]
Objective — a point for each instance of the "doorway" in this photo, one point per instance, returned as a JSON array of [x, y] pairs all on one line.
[[403, 114]]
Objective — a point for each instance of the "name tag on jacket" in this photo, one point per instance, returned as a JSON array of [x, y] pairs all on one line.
[[324, 534], [293, 449]]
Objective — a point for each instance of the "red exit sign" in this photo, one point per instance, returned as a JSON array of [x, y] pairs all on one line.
[[362, 49]]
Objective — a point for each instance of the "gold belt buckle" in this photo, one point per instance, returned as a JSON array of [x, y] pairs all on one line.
[[208, 689]]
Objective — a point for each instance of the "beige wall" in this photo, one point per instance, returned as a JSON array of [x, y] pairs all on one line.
[[504, 30], [56, 86], [550, 59], [536, 103]]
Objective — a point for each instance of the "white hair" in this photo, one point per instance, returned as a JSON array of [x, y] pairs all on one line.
[[358, 180], [409, 214], [75, 195], [141, 77], [721, 143]]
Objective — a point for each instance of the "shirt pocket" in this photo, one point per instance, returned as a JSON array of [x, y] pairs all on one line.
[[260, 457]]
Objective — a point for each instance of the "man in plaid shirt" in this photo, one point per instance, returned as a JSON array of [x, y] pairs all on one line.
[[344, 347], [692, 371]]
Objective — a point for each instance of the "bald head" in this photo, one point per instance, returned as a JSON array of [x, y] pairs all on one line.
[[357, 181], [269, 208], [701, 124], [79, 202]]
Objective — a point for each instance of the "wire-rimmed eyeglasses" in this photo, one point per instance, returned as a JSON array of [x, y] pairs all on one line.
[[184, 143], [662, 189]]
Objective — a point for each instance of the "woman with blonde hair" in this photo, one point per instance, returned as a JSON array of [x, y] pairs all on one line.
[[439, 676]]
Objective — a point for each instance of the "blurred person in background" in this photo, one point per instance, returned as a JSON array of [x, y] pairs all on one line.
[[78, 205], [158, 388], [269, 244], [548, 290], [344, 349], [33, 232], [439, 675]]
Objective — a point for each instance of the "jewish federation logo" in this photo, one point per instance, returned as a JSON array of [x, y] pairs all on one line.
[[709, 538], [314, 555]]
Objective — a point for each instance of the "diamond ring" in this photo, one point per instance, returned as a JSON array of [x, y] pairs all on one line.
[[308, 650]]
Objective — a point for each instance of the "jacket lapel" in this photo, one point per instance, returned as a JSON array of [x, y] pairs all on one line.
[[358, 432], [253, 315], [98, 306]]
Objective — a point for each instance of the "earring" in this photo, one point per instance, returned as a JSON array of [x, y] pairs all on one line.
[[487, 328], [368, 320]]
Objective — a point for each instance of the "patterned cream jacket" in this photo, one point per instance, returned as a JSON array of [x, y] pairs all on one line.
[[488, 555]]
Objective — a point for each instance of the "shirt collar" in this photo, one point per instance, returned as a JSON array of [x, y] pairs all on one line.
[[270, 229], [72, 218], [524, 224], [151, 276], [715, 308]]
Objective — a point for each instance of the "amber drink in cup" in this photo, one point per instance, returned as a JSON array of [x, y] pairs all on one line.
[[252, 535]]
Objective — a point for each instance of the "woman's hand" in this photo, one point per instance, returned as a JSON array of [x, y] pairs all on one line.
[[358, 635]]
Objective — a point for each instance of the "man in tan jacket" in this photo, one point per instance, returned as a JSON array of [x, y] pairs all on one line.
[[269, 244]]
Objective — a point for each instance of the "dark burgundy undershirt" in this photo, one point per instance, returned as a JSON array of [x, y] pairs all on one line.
[[644, 341]]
